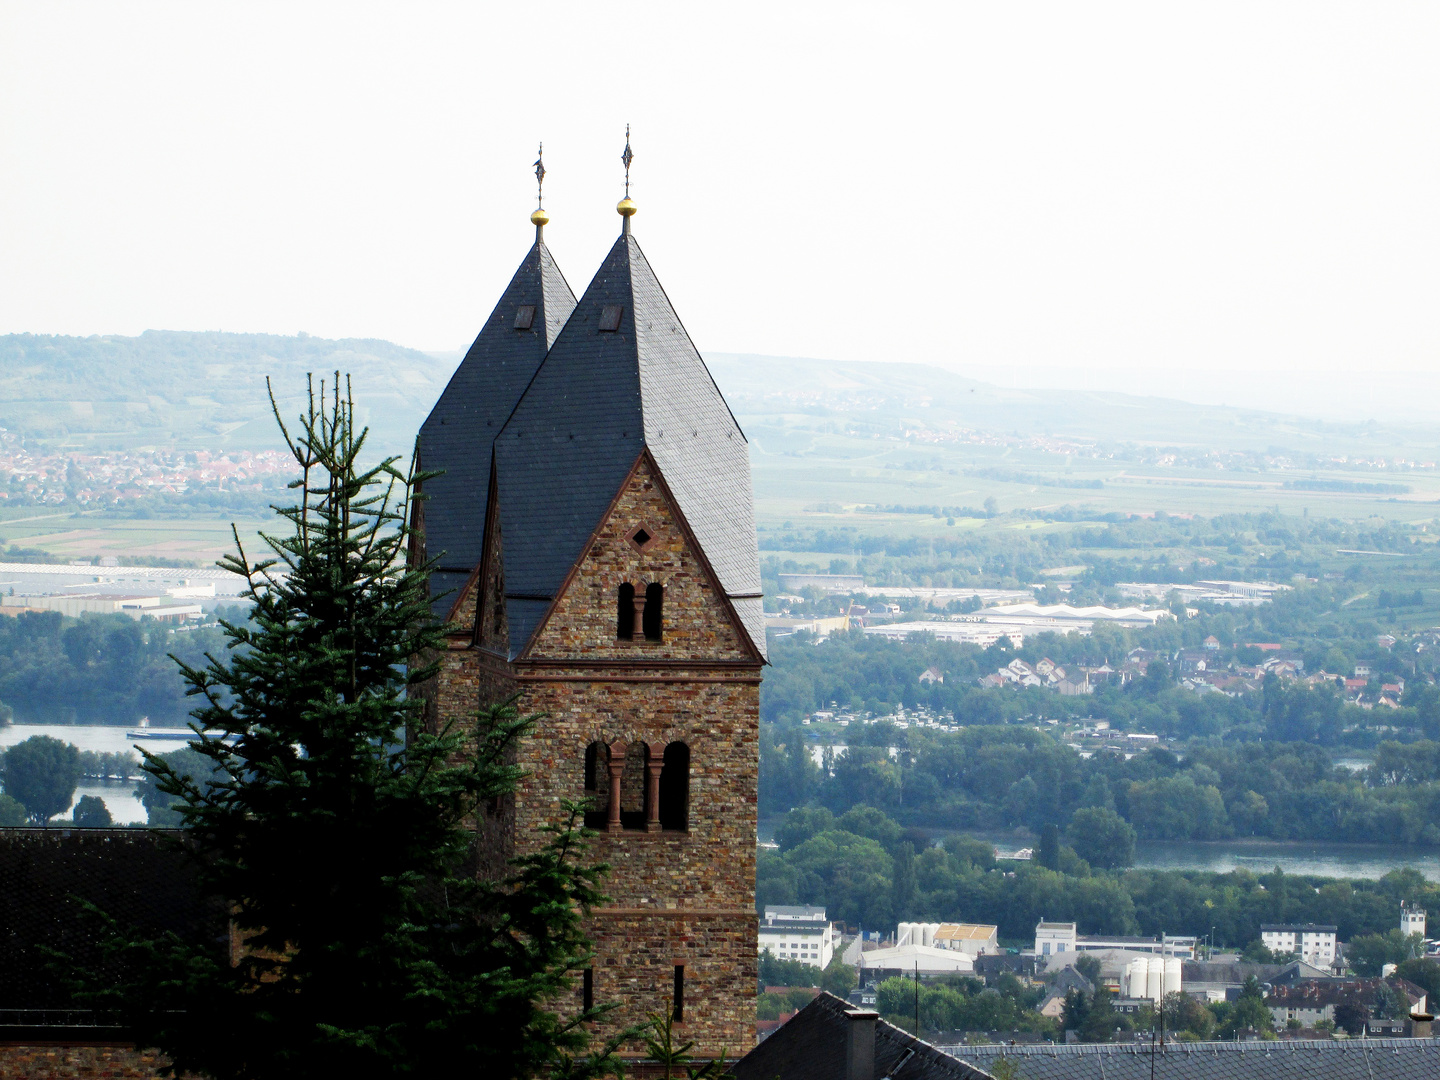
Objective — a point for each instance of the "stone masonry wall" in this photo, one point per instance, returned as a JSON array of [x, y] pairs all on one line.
[[18, 1062], [698, 624], [678, 897]]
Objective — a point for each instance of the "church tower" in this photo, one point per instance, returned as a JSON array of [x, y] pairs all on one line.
[[456, 437], [616, 589]]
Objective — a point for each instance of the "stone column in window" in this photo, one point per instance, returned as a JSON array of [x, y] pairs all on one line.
[[639, 623], [653, 764], [617, 770]]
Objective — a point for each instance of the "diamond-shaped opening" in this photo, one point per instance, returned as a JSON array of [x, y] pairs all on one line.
[[641, 537]]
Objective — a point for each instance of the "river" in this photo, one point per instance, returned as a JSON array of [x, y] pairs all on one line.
[[118, 795], [1294, 857]]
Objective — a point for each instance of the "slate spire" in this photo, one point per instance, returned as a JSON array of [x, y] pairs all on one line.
[[622, 377], [458, 434]]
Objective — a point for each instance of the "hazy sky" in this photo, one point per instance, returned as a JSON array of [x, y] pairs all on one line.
[[1206, 199]]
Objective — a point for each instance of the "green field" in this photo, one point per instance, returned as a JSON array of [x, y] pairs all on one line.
[[72, 537], [864, 447]]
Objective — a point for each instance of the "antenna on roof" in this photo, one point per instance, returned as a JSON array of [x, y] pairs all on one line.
[[626, 208], [539, 218]]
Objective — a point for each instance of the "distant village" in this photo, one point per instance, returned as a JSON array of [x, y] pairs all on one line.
[[1012, 615], [55, 478], [1307, 983]]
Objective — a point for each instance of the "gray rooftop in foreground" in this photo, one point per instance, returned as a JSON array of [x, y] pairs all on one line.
[[1297, 1059]]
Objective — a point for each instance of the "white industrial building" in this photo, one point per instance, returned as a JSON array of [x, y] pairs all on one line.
[[1313, 943], [800, 933], [911, 959], [973, 938], [1412, 920], [1056, 938], [970, 938], [1153, 977], [1052, 938], [94, 603]]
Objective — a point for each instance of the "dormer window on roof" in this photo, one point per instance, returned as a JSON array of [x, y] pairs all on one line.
[[524, 316], [610, 317]]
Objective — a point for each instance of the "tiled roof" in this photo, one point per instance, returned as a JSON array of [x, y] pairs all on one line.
[[597, 401], [1318, 993], [458, 434], [811, 1046], [1367, 1059]]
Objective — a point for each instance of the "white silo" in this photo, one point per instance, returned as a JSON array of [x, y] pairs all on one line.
[[1138, 985], [1155, 978], [928, 931], [905, 934], [1172, 975]]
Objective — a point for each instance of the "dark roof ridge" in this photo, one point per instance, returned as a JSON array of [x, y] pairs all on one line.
[[623, 374], [538, 367], [641, 252], [458, 435], [811, 1046]]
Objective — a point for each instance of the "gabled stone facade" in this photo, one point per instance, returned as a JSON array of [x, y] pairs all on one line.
[[639, 649]]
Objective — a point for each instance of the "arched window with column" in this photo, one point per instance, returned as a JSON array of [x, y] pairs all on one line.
[[675, 788], [597, 786], [632, 787], [652, 620], [625, 613]]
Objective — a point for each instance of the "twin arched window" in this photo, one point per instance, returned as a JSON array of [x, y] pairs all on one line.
[[640, 787], [647, 609]]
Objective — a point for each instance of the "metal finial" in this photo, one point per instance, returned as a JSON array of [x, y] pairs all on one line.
[[540, 177], [627, 157]]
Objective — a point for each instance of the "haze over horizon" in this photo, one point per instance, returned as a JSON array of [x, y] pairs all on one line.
[[1222, 204]]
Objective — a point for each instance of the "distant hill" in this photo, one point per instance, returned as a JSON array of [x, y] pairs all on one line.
[[884, 395], [201, 389], [207, 389]]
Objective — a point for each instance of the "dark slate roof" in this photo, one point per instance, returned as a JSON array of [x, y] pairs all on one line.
[[1287, 1059], [600, 398], [811, 1046], [136, 875], [458, 434]]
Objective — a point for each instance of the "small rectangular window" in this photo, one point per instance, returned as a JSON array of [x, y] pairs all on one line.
[[679, 1013], [524, 316], [587, 989], [610, 317]]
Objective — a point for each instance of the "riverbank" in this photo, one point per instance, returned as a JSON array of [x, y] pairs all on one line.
[[117, 795], [1317, 858]]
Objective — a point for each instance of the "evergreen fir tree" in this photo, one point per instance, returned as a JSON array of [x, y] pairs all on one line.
[[339, 834]]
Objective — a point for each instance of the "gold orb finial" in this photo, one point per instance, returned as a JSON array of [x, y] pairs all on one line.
[[540, 217], [626, 208]]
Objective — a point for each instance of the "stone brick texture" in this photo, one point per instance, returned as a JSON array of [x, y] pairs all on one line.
[[677, 897], [38, 1062]]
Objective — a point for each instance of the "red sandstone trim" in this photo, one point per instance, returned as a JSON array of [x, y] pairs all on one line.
[[740, 680], [674, 913]]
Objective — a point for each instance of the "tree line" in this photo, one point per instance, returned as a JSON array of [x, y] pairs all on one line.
[[869, 870], [875, 675], [97, 669], [1001, 777]]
